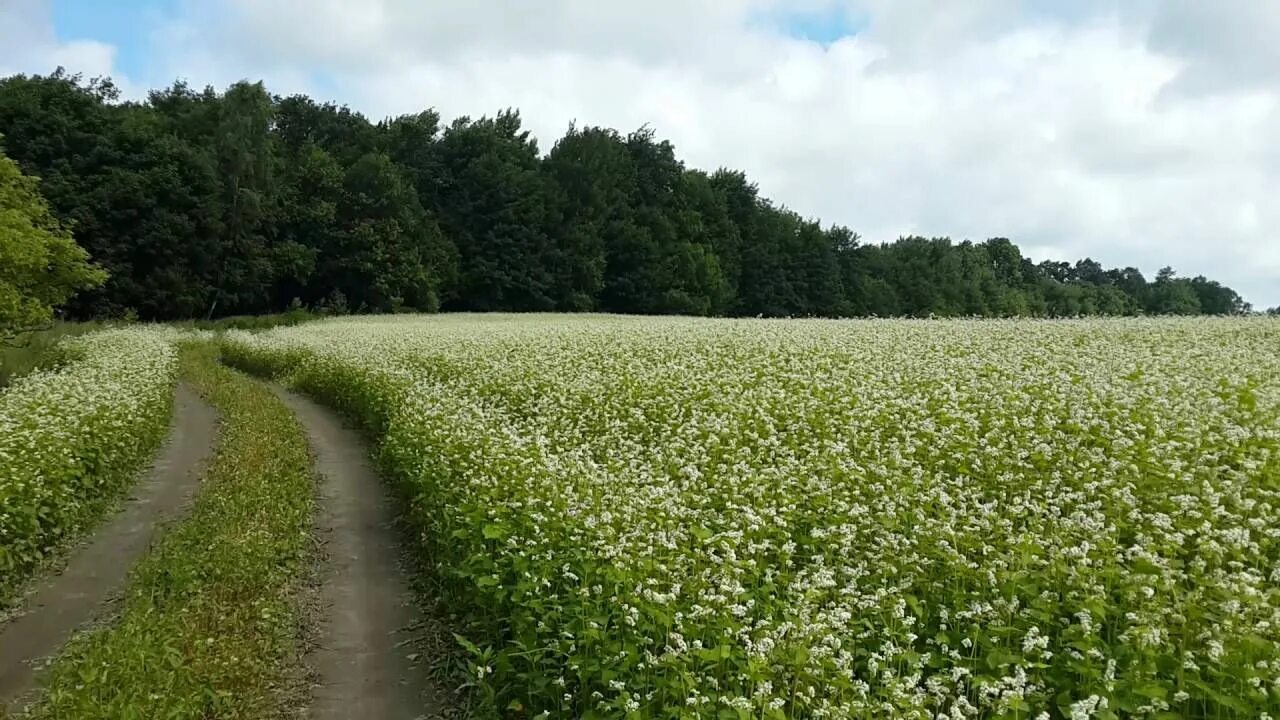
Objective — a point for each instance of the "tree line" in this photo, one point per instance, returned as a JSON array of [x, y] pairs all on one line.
[[201, 203]]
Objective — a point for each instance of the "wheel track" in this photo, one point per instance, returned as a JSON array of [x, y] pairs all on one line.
[[98, 568], [362, 661]]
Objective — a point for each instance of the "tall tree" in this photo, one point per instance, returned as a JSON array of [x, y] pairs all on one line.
[[493, 203], [203, 202], [388, 252], [1172, 296], [244, 152], [591, 175]]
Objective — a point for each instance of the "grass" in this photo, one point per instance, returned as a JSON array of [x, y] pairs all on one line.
[[252, 322], [209, 626]]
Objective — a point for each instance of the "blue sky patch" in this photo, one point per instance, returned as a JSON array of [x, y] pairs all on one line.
[[824, 26], [126, 24]]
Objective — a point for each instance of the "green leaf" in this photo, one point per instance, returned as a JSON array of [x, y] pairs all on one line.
[[1152, 690]]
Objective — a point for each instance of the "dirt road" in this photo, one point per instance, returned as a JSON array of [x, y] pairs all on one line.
[[99, 568], [368, 609]]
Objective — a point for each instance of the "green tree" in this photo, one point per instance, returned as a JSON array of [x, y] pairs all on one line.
[[1217, 299], [388, 252], [591, 175], [244, 152], [493, 203], [1171, 295], [40, 264], [659, 245], [763, 283], [310, 195], [340, 131], [202, 202]]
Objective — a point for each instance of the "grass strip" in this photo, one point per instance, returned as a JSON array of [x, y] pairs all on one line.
[[209, 627]]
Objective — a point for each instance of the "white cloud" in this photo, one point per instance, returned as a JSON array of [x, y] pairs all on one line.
[[1139, 133], [28, 43]]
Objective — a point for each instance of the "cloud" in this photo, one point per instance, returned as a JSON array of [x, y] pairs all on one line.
[[1225, 46], [1138, 132], [30, 44]]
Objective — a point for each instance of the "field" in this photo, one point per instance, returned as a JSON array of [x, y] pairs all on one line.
[[72, 437], [627, 517], [43, 349], [669, 518]]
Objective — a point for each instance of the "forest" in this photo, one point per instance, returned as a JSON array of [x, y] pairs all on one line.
[[205, 204]]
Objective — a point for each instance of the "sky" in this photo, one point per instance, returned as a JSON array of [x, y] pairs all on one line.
[[1135, 132]]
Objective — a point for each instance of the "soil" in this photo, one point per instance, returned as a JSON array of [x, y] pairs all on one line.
[[365, 660]]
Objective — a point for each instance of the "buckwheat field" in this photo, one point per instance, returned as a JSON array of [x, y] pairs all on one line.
[[669, 518], [72, 438]]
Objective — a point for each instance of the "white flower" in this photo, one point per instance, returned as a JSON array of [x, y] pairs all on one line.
[[833, 501]]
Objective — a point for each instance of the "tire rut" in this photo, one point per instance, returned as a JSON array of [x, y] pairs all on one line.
[[368, 610], [98, 569]]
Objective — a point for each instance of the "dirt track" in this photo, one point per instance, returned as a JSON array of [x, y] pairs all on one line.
[[98, 569], [368, 610]]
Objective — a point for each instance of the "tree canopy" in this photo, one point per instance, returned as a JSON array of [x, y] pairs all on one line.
[[40, 265], [206, 203]]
